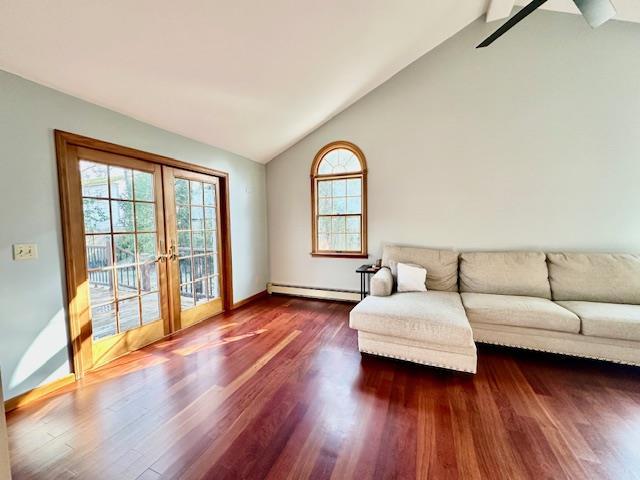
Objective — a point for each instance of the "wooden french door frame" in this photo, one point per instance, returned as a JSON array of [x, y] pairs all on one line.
[[75, 266], [185, 318]]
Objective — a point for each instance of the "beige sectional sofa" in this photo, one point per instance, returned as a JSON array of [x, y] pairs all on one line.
[[578, 304]]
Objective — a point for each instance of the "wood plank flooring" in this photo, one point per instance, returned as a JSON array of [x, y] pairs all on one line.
[[278, 390]]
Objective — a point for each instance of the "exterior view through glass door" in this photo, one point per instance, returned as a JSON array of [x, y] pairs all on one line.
[[124, 238], [193, 232]]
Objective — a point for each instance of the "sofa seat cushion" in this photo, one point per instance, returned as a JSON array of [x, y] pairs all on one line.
[[433, 317], [607, 320], [532, 312]]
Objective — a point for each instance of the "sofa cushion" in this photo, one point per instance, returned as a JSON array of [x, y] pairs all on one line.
[[441, 265], [381, 284], [607, 320], [433, 317], [505, 273], [595, 277], [519, 311]]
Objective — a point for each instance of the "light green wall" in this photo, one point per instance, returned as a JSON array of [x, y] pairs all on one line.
[[33, 336], [532, 143]]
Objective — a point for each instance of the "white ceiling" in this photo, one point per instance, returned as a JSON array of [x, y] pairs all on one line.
[[252, 77], [627, 10]]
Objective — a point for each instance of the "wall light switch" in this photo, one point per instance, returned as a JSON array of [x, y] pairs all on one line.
[[25, 251]]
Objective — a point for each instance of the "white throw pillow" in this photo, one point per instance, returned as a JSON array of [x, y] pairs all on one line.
[[411, 278]]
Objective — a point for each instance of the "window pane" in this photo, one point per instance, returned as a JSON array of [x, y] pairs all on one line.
[[125, 249], [150, 308], [122, 216], [211, 241], [186, 296], [145, 217], [196, 193], [146, 247], [339, 160], [353, 205], [197, 218], [209, 194], [354, 187], [197, 246], [324, 224], [324, 206], [121, 183], [353, 243], [199, 268], [96, 216], [353, 224], [210, 218], [324, 241], [143, 185], [339, 206], [101, 287], [339, 188], [182, 191], [93, 177], [211, 264], [98, 251], [200, 291], [324, 188], [183, 214], [103, 321], [148, 277], [128, 314], [127, 281], [325, 167], [185, 270], [338, 242], [184, 244], [213, 287], [338, 225]]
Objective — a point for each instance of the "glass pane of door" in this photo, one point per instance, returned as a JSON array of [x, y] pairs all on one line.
[[121, 238]]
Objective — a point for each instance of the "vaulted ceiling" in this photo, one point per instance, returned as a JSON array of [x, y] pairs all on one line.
[[252, 77]]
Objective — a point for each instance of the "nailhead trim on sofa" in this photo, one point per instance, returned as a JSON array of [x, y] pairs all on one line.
[[422, 362], [502, 344]]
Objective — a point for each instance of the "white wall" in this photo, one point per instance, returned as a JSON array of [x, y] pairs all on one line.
[[33, 338], [532, 143]]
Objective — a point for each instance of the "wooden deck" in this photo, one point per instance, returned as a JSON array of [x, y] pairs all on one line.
[[277, 389]]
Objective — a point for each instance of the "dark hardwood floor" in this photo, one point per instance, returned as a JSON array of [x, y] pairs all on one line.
[[277, 389]]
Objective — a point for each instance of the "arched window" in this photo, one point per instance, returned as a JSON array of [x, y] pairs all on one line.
[[339, 201]]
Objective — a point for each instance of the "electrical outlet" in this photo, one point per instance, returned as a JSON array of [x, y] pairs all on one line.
[[25, 251]]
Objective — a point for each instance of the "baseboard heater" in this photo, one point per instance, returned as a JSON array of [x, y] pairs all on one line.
[[314, 292]]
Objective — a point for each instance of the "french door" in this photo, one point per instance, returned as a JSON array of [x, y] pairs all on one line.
[[144, 242], [193, 233]]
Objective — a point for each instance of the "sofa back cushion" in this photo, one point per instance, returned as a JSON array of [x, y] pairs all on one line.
[[595, 277], [441, 265], [505, 273]]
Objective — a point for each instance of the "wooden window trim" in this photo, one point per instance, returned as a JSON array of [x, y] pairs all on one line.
[[315, 177]]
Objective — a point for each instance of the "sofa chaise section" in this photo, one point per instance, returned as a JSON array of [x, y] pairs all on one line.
[[430, 327]]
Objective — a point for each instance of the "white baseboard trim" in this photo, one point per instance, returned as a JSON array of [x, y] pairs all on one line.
[[314, 292]]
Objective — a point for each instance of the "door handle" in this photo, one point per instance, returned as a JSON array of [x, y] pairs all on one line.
[[161, 258], [172, 255]]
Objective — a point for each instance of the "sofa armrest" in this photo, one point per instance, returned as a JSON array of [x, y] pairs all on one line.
[[381, 283]]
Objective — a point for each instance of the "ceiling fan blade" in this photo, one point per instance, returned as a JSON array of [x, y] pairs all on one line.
[[519, 16], [596, 12]]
